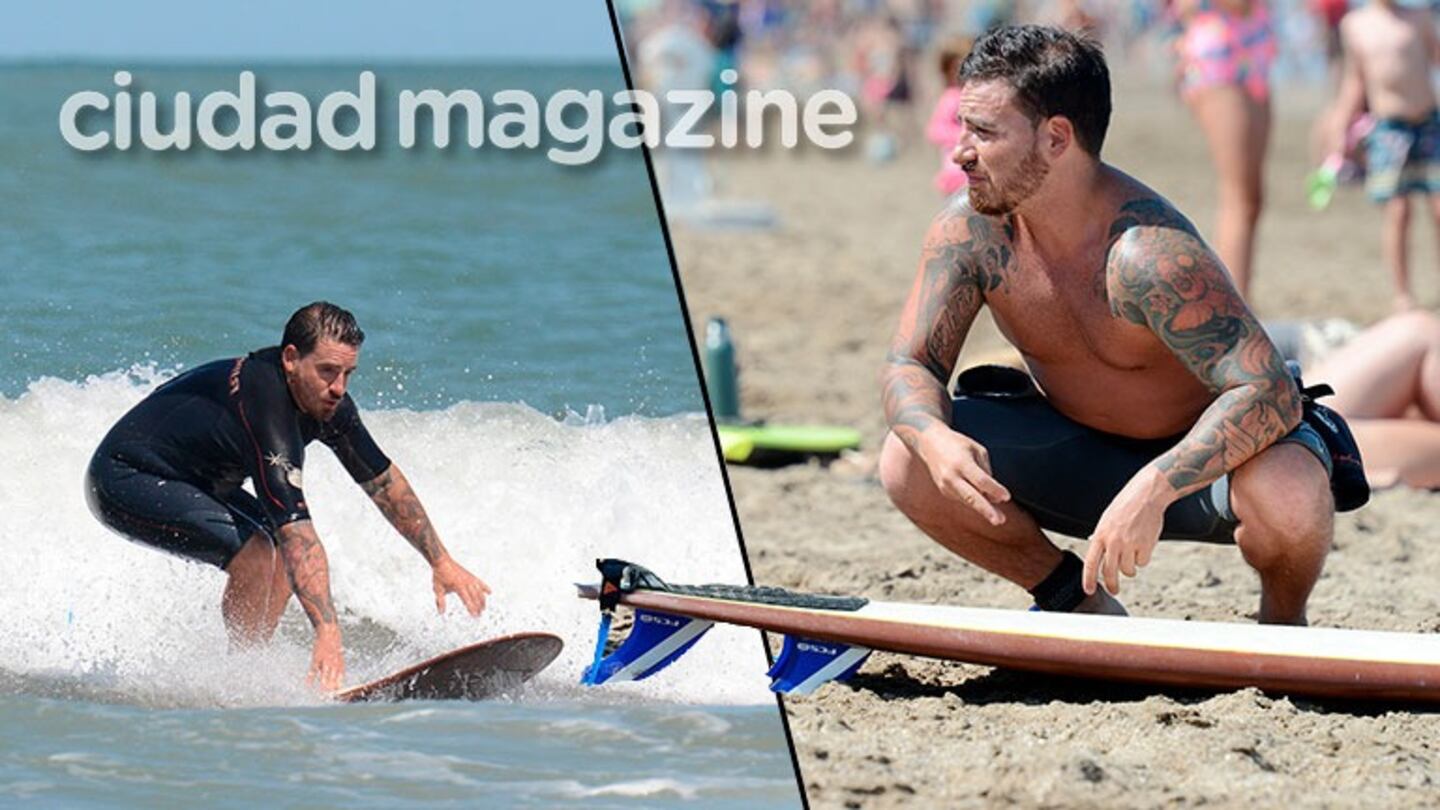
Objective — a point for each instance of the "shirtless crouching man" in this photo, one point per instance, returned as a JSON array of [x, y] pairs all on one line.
[[1165, 407]]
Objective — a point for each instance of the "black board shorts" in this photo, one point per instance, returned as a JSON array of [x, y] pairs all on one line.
[[1066, 474], [172, 515]]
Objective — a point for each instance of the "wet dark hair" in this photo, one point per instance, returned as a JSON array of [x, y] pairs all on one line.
[[1054, 72], [321, 319]]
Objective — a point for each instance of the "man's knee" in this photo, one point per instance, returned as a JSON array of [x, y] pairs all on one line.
[[1283, 502], [902, 474], [908, 483]]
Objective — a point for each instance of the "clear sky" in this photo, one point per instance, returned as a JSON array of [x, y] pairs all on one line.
[[219, 30]]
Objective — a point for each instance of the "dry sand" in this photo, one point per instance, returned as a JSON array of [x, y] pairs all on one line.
[[813, 304]]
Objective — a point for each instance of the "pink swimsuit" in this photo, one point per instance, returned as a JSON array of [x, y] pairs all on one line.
[[1220, 48]]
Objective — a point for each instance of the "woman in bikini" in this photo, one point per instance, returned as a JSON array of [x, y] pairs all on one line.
[[1225, 50]]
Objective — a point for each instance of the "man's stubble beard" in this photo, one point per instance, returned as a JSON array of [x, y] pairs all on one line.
[[1029, 176]]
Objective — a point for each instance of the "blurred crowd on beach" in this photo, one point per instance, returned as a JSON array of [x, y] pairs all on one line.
[[852, 44], [888, 54]]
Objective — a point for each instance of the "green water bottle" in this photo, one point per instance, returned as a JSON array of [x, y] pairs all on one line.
[[720, 375]]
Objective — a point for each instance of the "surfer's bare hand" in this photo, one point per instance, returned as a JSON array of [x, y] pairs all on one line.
[[960, 468], [451, 577], [327, 661], [1126, 535]]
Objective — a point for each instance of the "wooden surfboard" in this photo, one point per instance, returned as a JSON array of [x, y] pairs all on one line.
[[1355, 664], [477, 672]]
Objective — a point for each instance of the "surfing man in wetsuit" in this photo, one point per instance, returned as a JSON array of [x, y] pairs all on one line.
[[168, 475], [1155, 403]]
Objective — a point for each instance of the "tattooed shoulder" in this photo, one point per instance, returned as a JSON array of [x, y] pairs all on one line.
[[1160, 274], [969, 246], [1157, 260]]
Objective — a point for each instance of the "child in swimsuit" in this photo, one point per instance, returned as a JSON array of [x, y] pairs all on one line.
[[1390, 47], [944, 128]]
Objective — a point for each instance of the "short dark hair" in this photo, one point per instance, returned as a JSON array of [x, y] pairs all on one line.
[[1053, 71], [317, 320]]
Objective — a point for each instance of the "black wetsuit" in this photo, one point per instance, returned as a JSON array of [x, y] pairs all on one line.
[[1065, 474], [169, 473]]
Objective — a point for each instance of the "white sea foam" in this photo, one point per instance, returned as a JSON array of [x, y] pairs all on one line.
[[523, 500], [640, 788]]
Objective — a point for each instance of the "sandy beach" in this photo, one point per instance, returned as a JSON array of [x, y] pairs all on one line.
[[812, 305]]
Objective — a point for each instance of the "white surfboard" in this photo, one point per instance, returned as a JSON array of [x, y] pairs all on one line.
[[1362, 664]]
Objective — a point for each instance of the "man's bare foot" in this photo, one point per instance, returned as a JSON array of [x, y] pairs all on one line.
[[1404, 302], [1101, 603]]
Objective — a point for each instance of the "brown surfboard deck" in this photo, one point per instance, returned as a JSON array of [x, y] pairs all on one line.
[[477, 672]]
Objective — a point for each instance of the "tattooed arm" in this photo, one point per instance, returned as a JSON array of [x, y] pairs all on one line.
[[1165, 278], [309, 572], [1162, 276], [963, 257], [398, 502]]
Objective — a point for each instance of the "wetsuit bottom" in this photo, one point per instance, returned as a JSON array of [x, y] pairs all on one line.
[[1065, 474], [172, 515]]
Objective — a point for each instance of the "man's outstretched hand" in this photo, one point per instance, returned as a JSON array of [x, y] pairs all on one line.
[[327, 661], [451, 577]]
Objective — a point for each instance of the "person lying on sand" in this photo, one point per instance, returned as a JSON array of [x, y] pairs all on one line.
[[168, 475], [1158, 405], [1387, 384]]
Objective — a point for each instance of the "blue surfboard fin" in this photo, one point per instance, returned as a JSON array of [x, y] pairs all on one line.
[[600, 640], [805, 664], [655, 642]]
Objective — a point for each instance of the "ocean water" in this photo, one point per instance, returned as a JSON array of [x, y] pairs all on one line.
[[478, 274], [526, 365]]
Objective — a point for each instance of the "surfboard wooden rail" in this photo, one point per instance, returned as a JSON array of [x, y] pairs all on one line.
[[1322, 662]]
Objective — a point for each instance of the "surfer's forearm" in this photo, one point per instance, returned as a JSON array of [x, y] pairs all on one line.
[[915, 399], [398, 502], [1236, 427], [309, 571]]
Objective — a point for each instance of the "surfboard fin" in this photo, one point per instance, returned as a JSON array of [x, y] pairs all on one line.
[[804, 664], [655, 641]]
